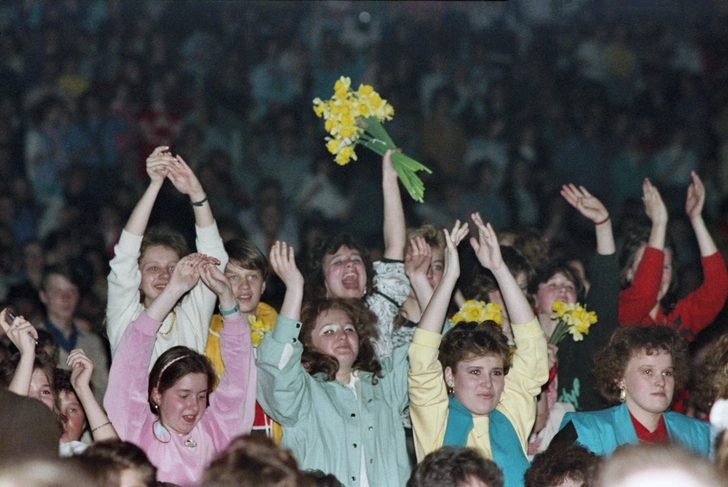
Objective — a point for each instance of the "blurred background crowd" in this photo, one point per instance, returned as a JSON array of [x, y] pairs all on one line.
[[504, 101]]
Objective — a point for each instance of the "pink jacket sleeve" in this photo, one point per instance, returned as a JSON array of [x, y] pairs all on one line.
[[126, 399], [232, 405]]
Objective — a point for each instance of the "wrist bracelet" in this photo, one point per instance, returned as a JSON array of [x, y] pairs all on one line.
[[101, 426], [199, 203], [230, 311], [603, 221]]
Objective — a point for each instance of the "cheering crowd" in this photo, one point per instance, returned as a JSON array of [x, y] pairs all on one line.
[[310, 338]]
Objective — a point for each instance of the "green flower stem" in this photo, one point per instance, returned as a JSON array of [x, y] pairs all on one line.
[[376, 139]]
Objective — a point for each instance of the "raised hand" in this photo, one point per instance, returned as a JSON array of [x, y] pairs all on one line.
[[418, 259], [453, 239], [186, 273], [213, 278], [585, 203], [183, 178], [82, 368], [159, 163], [486, 246], [20, 332], [654, 207], [283, 262], [696, 197], [387, 167]]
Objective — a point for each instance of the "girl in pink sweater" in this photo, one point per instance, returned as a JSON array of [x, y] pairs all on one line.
[[169, 413]]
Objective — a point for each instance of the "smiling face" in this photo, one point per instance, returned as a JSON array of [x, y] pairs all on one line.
[[477, 384], [76, 419], [40, 389], [649, 383], [181, 406], [248, 286], [156, 266], [345, 274], [334, 334]]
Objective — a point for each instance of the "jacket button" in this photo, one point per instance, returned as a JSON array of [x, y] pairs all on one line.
[[354, 445], [353, 415], [293, 340], [371, 428], [353, 478], [298, 325]]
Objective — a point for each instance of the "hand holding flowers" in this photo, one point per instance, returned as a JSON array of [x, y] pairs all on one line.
[[354, 117]]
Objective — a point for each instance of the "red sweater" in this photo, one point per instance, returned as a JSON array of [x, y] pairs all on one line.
[[692, 313]]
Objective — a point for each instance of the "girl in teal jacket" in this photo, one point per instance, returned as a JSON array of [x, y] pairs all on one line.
[[640, 367], [338, 405]]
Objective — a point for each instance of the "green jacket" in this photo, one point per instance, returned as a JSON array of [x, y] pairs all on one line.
[[324, 423]]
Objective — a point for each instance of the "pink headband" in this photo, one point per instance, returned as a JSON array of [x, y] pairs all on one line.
[[167, 366]]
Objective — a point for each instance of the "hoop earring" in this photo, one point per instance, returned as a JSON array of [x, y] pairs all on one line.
[[622, 394]]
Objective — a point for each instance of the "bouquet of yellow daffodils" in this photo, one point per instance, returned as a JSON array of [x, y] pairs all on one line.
[[478, 311], [355, 117], [573, 319]]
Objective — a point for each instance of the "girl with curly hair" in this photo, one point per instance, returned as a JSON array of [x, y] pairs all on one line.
[[465, 389], [641, 367], [319, 377], [340, 267]]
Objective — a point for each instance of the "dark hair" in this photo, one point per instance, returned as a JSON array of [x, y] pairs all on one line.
[[253, 461], [321, 479], [165, 237], [562, 462], [363, 320], [484, 281], [174, 364], [433, 237], [46, 341], [452, 466], [712, 377], [63, 270], [244, 253], [106, 460], [611, 361], [469, 340], [314, 272], [42, 362], [550, 269], [636, 238]]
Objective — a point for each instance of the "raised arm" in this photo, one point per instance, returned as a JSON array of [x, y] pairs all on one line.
[[159, 163], [184, 277], [184, 179], [593, 209], [416, 263], [657, 213], [82, 369], [487, 250], [395, 233], [283, 262], [24, 336], [694, 209], [435, 313]]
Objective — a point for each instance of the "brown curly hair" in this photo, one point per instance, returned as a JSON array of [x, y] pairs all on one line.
[[610, 362], [712, 382], [363, 320], [469, 340], [314, 270]]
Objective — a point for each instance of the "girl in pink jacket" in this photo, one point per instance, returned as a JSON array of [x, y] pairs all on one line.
[[170, 412]]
